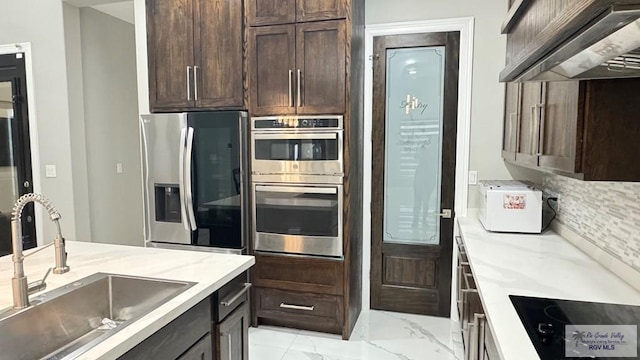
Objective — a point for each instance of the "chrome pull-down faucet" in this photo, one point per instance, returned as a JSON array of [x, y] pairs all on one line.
[[19, 283]]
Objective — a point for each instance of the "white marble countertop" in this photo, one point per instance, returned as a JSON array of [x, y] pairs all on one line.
[[533, 265], [210, 271]]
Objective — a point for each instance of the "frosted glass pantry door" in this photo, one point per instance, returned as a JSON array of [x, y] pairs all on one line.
[[413, 144]]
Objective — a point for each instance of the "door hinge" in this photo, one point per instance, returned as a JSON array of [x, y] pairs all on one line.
[[374, 57], [17, 99]]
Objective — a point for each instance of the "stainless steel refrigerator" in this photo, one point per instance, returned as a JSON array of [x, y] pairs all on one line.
[[196, 180]]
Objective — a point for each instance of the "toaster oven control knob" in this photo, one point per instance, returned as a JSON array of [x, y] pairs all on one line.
[[305, 123]]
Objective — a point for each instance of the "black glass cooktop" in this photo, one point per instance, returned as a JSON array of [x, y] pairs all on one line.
[[545, 320]]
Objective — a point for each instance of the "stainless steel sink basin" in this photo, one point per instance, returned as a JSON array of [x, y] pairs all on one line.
[[68, 321]]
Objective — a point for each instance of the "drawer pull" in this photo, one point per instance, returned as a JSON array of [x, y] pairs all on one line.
[[229, 302], [297, 307]]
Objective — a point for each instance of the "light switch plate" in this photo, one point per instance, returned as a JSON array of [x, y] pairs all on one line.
[[50, 171], [119, 168], [473, 177]]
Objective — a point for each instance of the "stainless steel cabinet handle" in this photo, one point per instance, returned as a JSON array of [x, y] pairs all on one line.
[[468, 351], [188, 83], [297, 307], [290, 87], [299, 88], [235, 297], [229, 352], [534, 148], [481, 332], [542, 122], [195, 82], [513, 118]]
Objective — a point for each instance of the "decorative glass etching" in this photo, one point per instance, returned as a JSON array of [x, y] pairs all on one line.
[[413, 144]]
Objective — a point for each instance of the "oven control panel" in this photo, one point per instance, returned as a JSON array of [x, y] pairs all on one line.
[[296, 122]]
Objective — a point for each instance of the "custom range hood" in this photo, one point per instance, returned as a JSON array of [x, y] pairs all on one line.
[[607, 48]]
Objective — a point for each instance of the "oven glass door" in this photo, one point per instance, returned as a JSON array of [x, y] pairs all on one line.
[[307, 153], [298, 219]]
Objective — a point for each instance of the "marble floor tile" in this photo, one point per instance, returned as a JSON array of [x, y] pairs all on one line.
[[378, 335]]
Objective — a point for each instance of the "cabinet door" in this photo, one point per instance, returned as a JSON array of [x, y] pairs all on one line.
[[531, 93], [321, 69], [218, 53], [560, 125], [271, 70], [170, 54], [314, 10], [199, 351], [271, 12], [233, 335], [511, 121]]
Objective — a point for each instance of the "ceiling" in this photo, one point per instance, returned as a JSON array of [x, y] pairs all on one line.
[[122, 10]]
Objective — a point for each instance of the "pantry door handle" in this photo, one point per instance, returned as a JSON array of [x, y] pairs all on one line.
[[297, 307], [446, 214]]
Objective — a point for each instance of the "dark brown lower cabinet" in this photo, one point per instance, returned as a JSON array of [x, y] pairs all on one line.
[[300, 310], [215, 328], [200, 351], [177, 337], [233, 335], [301, 292], [477, 337]]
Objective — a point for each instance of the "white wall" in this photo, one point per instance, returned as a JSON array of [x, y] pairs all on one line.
[[41, 24], [71, 17], [111, 123]]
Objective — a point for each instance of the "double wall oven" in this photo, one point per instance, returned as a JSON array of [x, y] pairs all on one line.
[[297, 174]]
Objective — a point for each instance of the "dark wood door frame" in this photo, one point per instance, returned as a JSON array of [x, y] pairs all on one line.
[[399, 298], [12, 69]]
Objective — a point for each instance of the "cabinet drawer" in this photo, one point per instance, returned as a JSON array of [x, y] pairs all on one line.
[[300, 310], [299, 274], [230, 296]]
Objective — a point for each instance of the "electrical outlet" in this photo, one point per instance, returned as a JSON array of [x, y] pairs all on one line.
[[550, 194], [50, 171], [473, 177]]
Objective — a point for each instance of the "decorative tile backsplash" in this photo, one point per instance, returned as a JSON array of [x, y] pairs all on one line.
[[605, 213]]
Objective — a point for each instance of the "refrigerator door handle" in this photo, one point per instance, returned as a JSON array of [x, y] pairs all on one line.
[[244, 183], [188, 180], [145, 174], [183, 141]]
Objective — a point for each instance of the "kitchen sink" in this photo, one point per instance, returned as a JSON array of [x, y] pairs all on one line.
[[65, 322]]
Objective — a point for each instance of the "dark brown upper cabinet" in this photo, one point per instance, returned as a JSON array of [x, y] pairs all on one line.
[[583, 129], [277, 12], [195, 55], [298, 68]]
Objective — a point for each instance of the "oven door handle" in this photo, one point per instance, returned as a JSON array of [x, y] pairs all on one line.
[[295, 189], [319, 136]]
